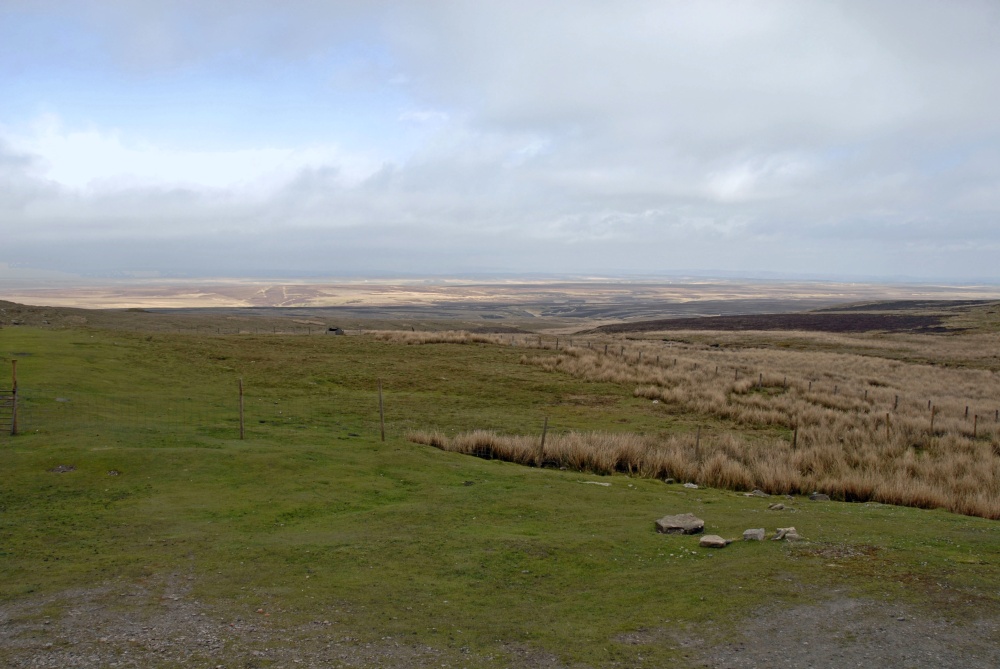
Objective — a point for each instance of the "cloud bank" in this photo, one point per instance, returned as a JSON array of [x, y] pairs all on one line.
[[851, 138]]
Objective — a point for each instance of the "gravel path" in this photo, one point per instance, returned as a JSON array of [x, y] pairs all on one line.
[[159, 624], [843, 633]]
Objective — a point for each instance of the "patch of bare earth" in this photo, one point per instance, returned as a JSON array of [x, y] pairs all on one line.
[[847, 632], [162, 625], [158, 623]]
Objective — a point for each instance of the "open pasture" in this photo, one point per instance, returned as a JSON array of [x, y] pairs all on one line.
[[312, 542]]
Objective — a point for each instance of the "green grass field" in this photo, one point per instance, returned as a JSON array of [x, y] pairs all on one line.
[[313, 518]]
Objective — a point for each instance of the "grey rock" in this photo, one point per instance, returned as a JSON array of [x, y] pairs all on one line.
[[756, 534], [713, 541], [691, 485], [684, 523], [757, 493], [819, 497], [786, 534], [776, 507]]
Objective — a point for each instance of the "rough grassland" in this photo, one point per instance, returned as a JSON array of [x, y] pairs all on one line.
[[312, 540]]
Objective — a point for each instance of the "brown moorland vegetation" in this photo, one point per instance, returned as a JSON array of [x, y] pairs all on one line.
[[902, 419], [814, 322]]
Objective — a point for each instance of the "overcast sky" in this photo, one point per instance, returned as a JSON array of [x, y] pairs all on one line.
[[251, 138]]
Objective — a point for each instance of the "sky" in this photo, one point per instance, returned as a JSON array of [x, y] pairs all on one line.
[[328, 138]]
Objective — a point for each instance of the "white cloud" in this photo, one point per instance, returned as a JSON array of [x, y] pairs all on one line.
[[424, 116], [837, 137], [96, 160]]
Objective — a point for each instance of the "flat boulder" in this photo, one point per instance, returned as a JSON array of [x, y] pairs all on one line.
[[684, 523], [713, 541], [819, 497], [756, 534], [786, 534]]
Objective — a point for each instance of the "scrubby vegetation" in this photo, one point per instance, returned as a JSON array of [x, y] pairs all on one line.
[[857, 426]]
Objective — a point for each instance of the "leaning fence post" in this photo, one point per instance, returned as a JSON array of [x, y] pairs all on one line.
[[242, 426], [381, 410], [541, 446], [697, 445]]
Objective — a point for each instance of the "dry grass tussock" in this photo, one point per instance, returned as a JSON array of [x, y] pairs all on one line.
[[958, 476], [878, 423], [444, 337], [864, 427]]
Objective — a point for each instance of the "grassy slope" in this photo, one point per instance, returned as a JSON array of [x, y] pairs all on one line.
[[404, 540]]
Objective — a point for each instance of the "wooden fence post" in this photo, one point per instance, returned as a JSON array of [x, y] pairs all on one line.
[[242, 425], [887, 426], [975, 425], [795, 436], [381, 410], [895, 403], [933, 413], [540, 458], [697, 445]]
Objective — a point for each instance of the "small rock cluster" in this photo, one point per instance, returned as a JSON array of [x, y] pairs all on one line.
[[688, 523]]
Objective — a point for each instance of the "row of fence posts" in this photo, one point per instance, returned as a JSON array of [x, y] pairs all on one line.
[[836, 391], [11, 404]]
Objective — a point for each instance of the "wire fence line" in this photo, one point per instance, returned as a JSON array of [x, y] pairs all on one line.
[[42, 410], [182, 416]]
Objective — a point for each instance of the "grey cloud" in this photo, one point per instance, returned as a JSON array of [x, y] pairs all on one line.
[[845, 137]]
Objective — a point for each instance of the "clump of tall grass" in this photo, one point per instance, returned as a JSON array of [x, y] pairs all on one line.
[[872, 417], [444, 337], [951, 475]]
